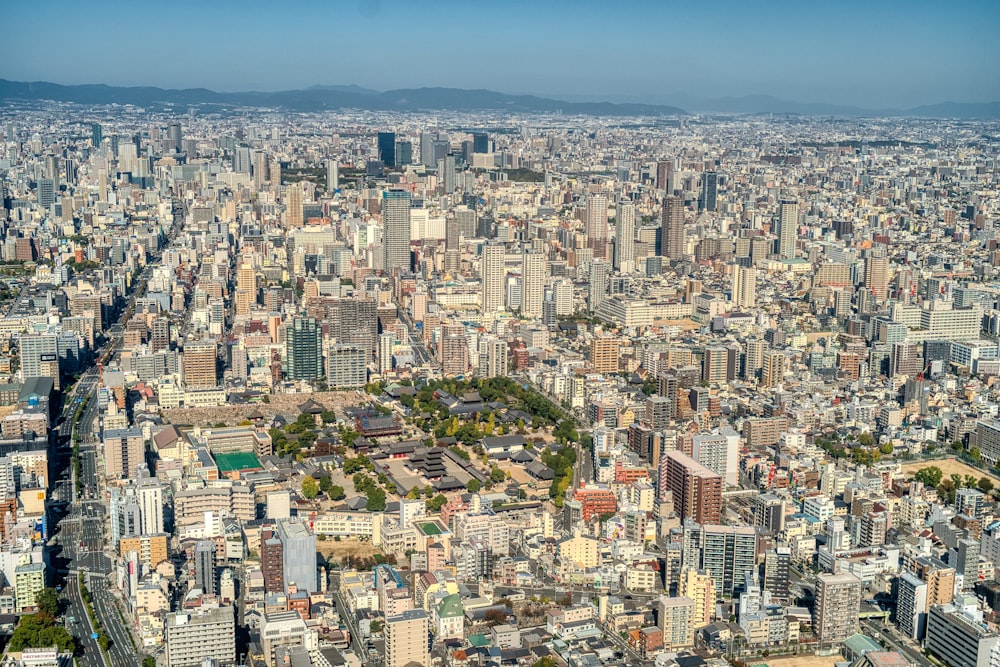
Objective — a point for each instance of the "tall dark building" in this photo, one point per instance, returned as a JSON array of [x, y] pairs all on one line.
[[96, 134], [776, 563], [387, 148], [672, 226], [404, 153], [304, 350], [709, 198], [480, 142], [272, 562], [174, 134]]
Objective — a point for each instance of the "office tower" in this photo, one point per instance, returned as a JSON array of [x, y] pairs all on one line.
[[769, 512], [96, 134], [124, 453], [480, 142], [664, 171], [958, 636], [298, 556], [624, 260], [877, 276], [699, 586], [838, 602], [46, 192], [347, 367], [697, 491], [493, 357], [427, 157], [332, 175], [174, 136], [672, 228], [303, 350], [396, 231], [404, 153], [911, 606], [199, 365], [708, 199], [744, 286], [598, 283], [604, 351], [719, 452], [149, 497], [492, 275], [466, 218], [204, 567], [204, 635], [597, 225], [406, 639], [532, 283], [446, 173], [242, 160], [39, 355], [788, 225], [452, 245], [274, 173], [387, 148]]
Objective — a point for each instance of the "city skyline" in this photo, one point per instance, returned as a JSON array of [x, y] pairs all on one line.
[[870, 57]]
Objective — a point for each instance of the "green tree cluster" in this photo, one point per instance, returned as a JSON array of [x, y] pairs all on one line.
[[40, 631]]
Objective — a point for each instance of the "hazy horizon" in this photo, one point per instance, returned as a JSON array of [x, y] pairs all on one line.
[[892, 55]]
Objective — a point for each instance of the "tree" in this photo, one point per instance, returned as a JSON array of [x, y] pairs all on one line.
[[929, 476], [39, 631], [985, 484], [310, 488], [436, 503], [495, 617], [376, 500], [975, 454], [473, 486], [336, 492], [545, 661], [866, 439], [149, 661], [328, 416], [47, 601], [886, 448], [497, 475]]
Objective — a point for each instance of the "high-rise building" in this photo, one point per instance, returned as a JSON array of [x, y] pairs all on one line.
[[283, 630], [699, 586], [697, 491], [675, 618], [298, 555], [396, 231], [192, 638], [624, 259], [303, 350], [46, 192], [838, 602], [39, 355], [480, 142], [175, 136], [788, 228], [387, 148], [877, 276], [769, 512], [672, 228], [199, 365], [911, 606], [708, 199], [957, 635], [346, 367], [493, 357], [719, 452], [777, 562], [332, 175], [446, 173], [532, 283], [406, 639], [664, 171], [604, 352], [599, 270], [204, 567], [597, 225], [492, 273], [427, 157], [727, 553], [96, 134], [719, 364], [293, 206], [744, 286], [124, 452]]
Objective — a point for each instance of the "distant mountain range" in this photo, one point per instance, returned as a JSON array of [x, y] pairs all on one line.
[[322, 97], [319, 98]]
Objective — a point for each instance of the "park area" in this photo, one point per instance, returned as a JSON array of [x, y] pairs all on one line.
[[948, 467], [345, 550]]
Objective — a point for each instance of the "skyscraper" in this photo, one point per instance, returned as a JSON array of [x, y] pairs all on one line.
[[480, 142], [427, 157], [838, 601], [303, 350], [597, 225], [672, 228], [332, 175], [199, 364], [396, 231], [387, 148], [624, 237], [788, 225], [204, 567], [96, 134], [174, 135], [598, 283], [446, 173], [877, 276], [744, 286], [293, 206], [708, 199], [532, 283], [491, 270]]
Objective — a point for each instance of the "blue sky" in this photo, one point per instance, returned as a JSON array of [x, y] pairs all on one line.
[[871, 54]]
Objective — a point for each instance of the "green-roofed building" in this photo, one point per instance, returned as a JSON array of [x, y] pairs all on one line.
[[449, 618]]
